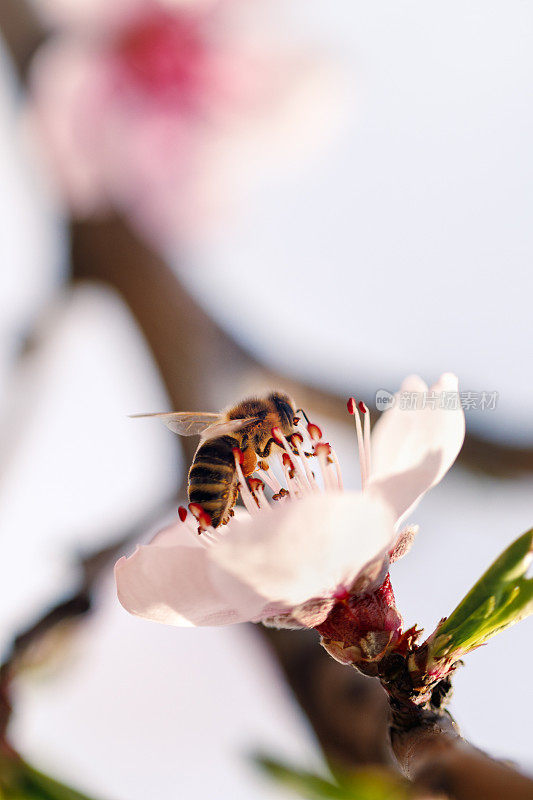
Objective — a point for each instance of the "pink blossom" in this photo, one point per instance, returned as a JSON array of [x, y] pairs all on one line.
[[151, 108], [289, 562]]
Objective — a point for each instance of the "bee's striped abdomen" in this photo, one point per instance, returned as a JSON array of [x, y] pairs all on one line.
[[212, 478]]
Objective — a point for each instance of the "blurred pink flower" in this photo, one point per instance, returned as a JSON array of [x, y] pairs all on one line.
[[288, 563], [152, 108]]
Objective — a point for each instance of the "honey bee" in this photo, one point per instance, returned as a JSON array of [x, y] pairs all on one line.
[[213, 481]]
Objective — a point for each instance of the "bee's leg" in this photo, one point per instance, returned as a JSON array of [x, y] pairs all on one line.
[[249, 461], [268, 447]]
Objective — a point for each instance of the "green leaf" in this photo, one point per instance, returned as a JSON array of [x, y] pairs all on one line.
[[365, 784], [46, 787], [501, 597], [19, 781]]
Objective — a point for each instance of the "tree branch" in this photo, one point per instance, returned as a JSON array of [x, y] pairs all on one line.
[[75, 606], [436, 758], [21, 31], [348, 712]]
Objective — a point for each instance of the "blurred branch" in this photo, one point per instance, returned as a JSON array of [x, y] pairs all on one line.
[[348, 712], [21, 32], [75, 606], [194, 355], [437, 759]]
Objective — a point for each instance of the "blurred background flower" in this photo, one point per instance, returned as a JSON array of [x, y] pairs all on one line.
[[152, 110]]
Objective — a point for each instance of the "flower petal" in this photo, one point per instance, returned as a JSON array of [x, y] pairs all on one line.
[[413, 448], [305, 549], [168, 581]]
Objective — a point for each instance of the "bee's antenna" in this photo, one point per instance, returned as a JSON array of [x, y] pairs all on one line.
[[298, 410]]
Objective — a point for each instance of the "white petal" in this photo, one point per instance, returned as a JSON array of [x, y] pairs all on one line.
[[304, 549], [412, 449], [168, 581]]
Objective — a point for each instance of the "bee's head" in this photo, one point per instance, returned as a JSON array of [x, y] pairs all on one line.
[[286, 410]]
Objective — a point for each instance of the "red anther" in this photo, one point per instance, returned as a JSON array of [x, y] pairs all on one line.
[[296, 420], [287, 461], [298, 437], [182, 513], [201, 515], [362, 407], [277, 435], [314, 432], [255, 484], [322, 447], [239, 455], [351, 405], [263, 465]]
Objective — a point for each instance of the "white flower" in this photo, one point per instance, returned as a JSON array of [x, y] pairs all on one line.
[[286, 562]]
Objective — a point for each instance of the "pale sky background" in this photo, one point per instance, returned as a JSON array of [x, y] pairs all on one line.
[[405, 247]]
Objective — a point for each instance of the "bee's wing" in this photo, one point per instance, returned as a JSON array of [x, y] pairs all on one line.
[[227, 428], [196, 423], [186, 423]]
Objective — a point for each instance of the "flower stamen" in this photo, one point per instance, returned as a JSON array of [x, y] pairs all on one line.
[[323, 453], [299, 474], [366, 435], [296, 438], [333, 456], [193, 528], [257, 488], [288, 469], [354, 411], [205, 530], [270, 479]]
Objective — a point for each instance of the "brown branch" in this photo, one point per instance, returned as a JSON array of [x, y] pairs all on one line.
[[21, 31], [437, 759], [347, 711], [77, 605]]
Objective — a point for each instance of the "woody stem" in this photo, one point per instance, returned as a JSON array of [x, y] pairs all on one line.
[[438, 760]]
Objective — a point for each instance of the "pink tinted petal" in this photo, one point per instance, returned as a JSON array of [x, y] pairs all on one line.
[[307, 615], [304, 550], [67, 114], [390, 431], [174, 535], [165, 143], [413, 449], [171, 584]]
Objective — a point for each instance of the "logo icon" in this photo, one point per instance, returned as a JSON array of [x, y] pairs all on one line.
[[384, 400]]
